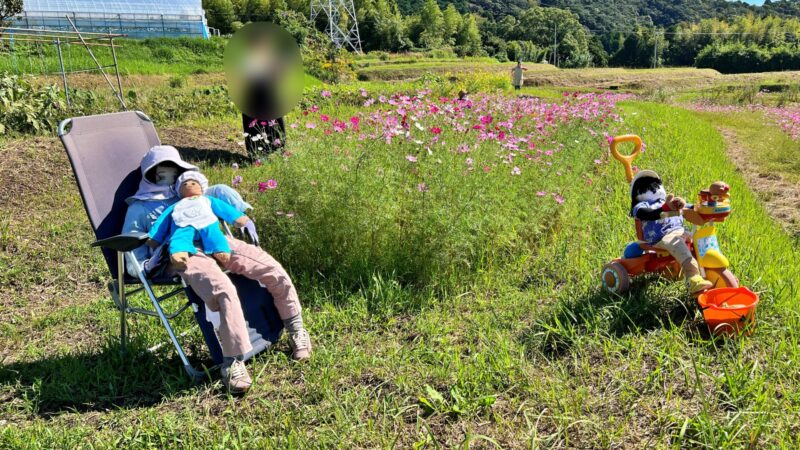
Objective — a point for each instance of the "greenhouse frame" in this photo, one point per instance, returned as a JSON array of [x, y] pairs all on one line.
[[134, 18]]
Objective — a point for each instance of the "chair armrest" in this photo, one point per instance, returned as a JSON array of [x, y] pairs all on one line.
[[122, 242]]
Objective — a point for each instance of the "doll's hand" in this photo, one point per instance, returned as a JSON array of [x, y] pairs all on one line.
[[179, 260], [241, 222], [677, 203], [154, 261], [248, 227]]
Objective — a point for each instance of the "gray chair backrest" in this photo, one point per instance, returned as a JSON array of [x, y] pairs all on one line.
[[105, 152]]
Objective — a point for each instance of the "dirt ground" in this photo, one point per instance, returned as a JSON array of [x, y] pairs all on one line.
[[781, 196]]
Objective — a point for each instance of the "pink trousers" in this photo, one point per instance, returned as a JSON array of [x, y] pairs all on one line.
[[212, 285]]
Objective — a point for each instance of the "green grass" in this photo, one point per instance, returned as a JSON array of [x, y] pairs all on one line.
[[530, 355], [770, 149], [415, 68], [154, 56]]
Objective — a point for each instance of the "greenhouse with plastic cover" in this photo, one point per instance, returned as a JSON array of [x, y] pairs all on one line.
[[135, 18]]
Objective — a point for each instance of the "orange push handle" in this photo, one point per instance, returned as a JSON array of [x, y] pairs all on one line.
[[626, 160]]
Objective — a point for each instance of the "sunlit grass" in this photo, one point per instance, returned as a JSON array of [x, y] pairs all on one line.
[[528, 352]]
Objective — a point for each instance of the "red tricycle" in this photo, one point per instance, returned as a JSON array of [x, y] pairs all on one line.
[[640, 258]]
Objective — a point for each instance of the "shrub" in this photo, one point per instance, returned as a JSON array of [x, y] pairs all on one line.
[[164, 54], [736, 58], [28, 109], [177, 81]]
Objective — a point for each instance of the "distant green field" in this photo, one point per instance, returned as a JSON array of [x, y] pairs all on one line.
[[135, 56]]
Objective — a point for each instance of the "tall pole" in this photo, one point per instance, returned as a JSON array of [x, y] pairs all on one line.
[[116, 64], [99, 66], [63, 72], [555, 45], [655, 50]]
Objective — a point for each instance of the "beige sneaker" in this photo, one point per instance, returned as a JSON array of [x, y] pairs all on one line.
[[300, 343], [235, 378]]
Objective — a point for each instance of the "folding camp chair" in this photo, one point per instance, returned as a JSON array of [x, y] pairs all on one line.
[[105, 152]]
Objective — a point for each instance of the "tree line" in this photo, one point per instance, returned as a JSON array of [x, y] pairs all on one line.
[[732, 37]]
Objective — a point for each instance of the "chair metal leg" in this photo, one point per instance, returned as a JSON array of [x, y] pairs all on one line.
[[123, 302], [195, 374]]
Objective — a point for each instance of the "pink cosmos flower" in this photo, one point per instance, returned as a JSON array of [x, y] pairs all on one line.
[[258, 161], [469, 161], [262, 187], [422, 187], [559, 199], [436, 130], [516, 171], [487, 169], [325, 93], [411, 158], [364, 92], [354, 121], [236, 180], [339, 126], [597, 161], [272, 184], [486, 120], [324, 117], [541, 194], [314, 108], [311, 125]]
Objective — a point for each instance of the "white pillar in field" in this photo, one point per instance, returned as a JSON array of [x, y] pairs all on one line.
[[333, 10]]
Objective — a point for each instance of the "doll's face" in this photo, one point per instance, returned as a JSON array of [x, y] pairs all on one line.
[[190, 188], [652, 193], [166, 174]]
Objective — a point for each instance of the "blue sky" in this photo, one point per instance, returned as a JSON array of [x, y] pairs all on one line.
[[754, 2]]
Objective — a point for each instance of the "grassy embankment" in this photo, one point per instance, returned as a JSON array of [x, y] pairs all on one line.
[[525, 353]]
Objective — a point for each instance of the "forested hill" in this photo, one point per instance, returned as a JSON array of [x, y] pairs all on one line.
[[608, 15], [495, 9]]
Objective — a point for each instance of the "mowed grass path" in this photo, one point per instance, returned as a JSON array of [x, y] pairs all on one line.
[[549, 362]]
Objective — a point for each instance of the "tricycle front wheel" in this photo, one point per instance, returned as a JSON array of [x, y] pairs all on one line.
[[615, 278], [721, 278]]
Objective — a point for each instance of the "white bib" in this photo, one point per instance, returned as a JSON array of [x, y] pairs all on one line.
[[195, 212]]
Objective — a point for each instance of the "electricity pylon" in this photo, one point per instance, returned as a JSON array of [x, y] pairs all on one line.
[[333, 10]]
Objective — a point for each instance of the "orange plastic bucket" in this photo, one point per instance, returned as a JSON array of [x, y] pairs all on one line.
[[729, 311]]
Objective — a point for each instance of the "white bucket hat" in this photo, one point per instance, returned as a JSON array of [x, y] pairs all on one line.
[[191, 175], [643, 174]]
